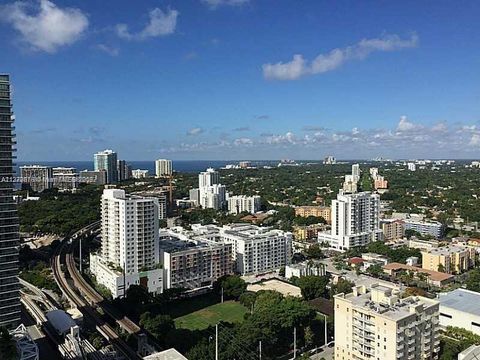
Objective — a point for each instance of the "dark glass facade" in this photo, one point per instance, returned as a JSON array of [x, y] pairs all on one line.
[[9, 237]]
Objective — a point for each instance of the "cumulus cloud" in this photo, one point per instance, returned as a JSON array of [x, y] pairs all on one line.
[[332, 60], [403, 140], [161, 23], [405, 125], [45, 27], [195, 131], [213, 4], [475, 140]]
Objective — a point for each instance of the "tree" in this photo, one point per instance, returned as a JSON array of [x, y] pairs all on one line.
[[159, 326], [473, 280], [375, 270], [247, 299], [314, 252], [233, 286], [409, 233], [309, 336], [441, 268], [203, 350], [313, 286], [342, 286], [8, 350]]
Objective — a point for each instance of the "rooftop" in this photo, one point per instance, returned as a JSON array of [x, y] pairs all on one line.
[[282, 287], [386, 301], [433, 275], [462, 300], [447, 250]]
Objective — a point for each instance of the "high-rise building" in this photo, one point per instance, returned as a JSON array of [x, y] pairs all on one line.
[[36, 177], [380, 324], [139, 174], [211, 194], [107, 160], [356, 171], [241, 203], [65, 178], [9, 237], [355, 221], [98, 177], [208, 178], [411, 166], [163, 167], [129, 234], [329, 160], [123, 170]]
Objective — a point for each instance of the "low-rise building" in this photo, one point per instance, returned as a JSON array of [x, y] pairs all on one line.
[[434, 278], [420, 244], [449, 259], [373, 259], [302, 233], [114, 280], [470, 353], [305, 268], [317, 211], [380, 324], [431, 228], [460, 308], [284, 288]]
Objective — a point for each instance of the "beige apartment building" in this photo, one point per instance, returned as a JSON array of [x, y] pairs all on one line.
[[380, 325], [449, 259], [393, 229], [318, 211]]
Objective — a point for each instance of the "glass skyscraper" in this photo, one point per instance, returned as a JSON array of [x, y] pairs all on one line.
[[9, 237], [107, 160]]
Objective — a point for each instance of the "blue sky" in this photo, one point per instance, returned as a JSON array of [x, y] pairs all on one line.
[[243, 79]]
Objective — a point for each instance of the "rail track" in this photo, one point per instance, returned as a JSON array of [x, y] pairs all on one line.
[[83, 305]]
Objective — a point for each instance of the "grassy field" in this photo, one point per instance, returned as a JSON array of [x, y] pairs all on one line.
[[229, 311]]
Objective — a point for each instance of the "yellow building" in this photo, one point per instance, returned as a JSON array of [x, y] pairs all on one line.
[[449, 259], [381, 325], [317, 211], [302, 233]]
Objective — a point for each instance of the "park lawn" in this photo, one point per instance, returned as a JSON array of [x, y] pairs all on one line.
[[229, 311]]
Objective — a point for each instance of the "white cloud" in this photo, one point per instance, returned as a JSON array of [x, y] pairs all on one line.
[[475, 140], [405, 125], [243, 141], [47, 27], [161, 24], [213, 4], [195, 131], [299, 67], [108, 49]]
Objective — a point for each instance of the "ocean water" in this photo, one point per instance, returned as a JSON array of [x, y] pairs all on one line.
[[178, 165]]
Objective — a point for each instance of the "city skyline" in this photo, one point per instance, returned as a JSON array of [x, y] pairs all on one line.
[[243, 79]]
